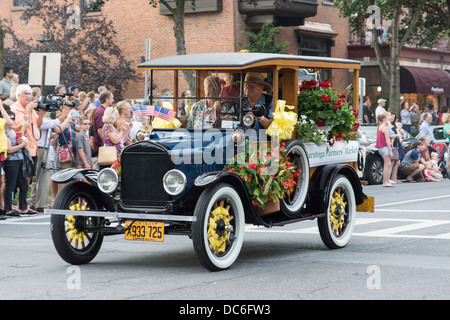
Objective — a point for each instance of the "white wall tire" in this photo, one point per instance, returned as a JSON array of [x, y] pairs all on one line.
[[336, 227], [218, 239]]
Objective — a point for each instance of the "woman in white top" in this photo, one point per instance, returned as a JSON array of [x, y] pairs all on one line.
[[405, 116]]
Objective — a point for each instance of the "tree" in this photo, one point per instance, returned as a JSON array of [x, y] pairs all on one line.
[[2, 48], [263, 41], [89, 55], [177, 10], [412, 21]]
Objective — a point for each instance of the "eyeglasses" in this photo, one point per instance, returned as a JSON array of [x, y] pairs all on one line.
[[250, 85]]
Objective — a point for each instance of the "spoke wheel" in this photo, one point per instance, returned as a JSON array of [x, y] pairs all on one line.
[[336, 227], [219, 229], [71, 234], [292, 204]]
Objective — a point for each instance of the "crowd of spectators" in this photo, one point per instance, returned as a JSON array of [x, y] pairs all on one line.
[[420, 163], [35, 142]]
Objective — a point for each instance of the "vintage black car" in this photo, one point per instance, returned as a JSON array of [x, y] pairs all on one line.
[[156, 195]]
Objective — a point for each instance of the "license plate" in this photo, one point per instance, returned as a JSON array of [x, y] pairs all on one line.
[[144, 231]]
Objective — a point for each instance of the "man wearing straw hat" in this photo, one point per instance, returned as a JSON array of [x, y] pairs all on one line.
[[254, 85]]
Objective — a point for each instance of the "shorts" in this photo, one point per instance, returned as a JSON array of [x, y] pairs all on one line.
[[408, 169], [384, 151]]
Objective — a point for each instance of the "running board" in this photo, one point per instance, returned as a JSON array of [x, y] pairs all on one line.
[[123, 215]]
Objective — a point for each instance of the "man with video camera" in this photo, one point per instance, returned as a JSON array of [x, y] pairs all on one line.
[[48, 121]]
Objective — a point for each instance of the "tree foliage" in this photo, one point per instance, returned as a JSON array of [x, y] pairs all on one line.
[[413, 22], [89, 55], [263, 41]]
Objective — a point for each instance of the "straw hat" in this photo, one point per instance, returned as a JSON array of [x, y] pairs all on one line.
[[255, 77]]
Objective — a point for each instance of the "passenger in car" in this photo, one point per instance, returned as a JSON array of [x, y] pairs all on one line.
[[203, 113]]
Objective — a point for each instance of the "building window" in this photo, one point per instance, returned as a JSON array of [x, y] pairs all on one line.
[[90, 7], [314, 47], [21, 3], [308, 46]]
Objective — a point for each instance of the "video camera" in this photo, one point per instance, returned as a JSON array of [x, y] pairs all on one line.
[[53, 102]]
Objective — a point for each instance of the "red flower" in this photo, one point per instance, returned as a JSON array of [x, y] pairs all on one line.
[[325, 97], [325, 84], [320, 123], [305, 86], [252, 166]]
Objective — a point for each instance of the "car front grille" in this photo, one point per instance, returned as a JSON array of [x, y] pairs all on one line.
[[144, 165]]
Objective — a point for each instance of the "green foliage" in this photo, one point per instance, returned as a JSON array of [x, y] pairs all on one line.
[[329, 110], [266, 172], [433, 19], [263, 41], [90, 55]]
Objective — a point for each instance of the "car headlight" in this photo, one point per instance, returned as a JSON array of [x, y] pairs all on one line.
[[108, 180], [174, 182]]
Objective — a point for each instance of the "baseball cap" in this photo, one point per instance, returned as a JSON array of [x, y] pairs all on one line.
[[381, 100]]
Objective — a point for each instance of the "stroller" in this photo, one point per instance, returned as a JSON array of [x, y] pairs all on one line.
[[442, 151]]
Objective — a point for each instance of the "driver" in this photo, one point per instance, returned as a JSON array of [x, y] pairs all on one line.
[[254, 85]]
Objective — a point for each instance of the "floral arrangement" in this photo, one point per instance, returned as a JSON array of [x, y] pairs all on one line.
[[327, 108], [268, 174], [309, 131]]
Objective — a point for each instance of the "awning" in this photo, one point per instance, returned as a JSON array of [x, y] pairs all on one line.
[[424, 81]]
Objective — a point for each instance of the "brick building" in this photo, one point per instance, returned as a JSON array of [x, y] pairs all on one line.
[[312, 27]]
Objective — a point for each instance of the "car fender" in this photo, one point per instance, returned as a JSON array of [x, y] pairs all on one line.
[[233, 179], [321, 183], [85, 176], [75, 174]]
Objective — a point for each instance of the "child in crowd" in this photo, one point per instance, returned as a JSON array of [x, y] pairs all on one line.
[[84, 157], [433, 174]]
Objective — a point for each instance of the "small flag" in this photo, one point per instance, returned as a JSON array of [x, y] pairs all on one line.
[[143, 110], [164, 113]]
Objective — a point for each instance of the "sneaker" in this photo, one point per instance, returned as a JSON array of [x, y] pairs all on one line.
[[29, 213], [2, 217]]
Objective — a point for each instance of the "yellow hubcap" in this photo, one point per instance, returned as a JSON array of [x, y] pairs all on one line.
[[337, 212], [219, 228], [73, 230]]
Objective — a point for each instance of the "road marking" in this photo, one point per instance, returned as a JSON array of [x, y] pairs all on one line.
[[391, 232], [405, 228], [25, 220], [409, 201], [414, 210]]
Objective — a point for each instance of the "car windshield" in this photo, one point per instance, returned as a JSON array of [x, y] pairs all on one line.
[[370, 133], [438, 133], [210, 100]]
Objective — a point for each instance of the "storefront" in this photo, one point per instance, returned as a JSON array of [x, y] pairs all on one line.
[[425, 86]]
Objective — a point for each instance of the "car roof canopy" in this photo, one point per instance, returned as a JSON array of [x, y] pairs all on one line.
[[285, 64], [238, 60]]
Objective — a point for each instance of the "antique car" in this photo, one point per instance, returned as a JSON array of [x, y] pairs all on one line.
[[157, 195]]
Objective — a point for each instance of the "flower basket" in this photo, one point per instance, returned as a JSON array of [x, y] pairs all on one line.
[[267, 173], [271, 207], [329, 110]]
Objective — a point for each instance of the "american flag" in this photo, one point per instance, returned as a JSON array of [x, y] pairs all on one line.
[[143, 110], [164, 113]]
